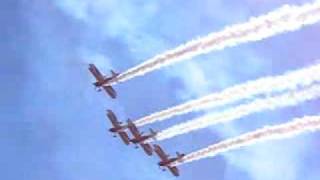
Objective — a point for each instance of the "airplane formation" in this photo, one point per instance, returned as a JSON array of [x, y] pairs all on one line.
[[122, 130], [285, 19]]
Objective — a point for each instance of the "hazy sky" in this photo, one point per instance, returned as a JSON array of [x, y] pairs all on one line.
[[53, 123]]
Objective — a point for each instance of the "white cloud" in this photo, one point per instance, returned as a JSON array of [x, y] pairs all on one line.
[[193, 78], [271, 160], [100, 60]]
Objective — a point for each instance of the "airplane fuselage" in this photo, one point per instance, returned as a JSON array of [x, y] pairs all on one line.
[[102, 82], [118, 129], [140, 139], [115, 129], [166, 163]]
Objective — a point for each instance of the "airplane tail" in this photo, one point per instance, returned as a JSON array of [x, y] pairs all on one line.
[[113, 74], [179, 156], [130, 125], [129, 122], [153, 133]]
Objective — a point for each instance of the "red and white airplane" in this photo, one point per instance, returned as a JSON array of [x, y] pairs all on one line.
[[139, 138], [101, 80], [118, 128], [166, 161]]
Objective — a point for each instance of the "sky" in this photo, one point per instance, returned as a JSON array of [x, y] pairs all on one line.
[[53, 123]]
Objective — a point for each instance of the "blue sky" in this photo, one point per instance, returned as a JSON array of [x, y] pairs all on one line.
[[53, 124]]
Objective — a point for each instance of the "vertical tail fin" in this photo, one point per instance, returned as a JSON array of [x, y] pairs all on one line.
[[113, 74], [179, 155], [152, 131], [153, 134]]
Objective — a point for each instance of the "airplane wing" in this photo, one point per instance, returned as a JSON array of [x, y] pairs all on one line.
[[95, 72], [147, 148], [125, 138], [113, 118], [110, 91], [174, 171], [134, 130], [163, 156]]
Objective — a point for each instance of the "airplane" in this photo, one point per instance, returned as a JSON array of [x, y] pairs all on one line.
[[166, 161], [118, 128], [139, 138], [102, 80]]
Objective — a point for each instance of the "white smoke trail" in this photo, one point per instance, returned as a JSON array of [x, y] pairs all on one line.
[[285, 19], [289, 81], [282, 131], [270, 103]]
